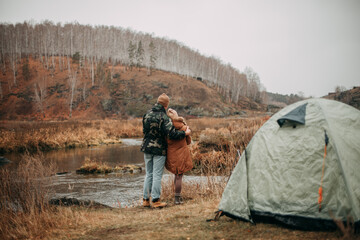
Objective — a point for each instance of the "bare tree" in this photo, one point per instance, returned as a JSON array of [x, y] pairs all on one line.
[[92, 71], [13, 55], [3, 48], [339, 89], [1, 93], [72, 85], [40, 94], [13, 66], [254, 84], [84, 92]]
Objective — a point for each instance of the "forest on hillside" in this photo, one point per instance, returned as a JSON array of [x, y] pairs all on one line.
[[56, 45]]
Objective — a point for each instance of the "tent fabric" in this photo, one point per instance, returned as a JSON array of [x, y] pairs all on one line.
[[281, 171], [238, 191], [297, 116]]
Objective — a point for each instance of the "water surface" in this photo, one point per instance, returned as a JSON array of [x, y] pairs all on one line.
[[114, 189]]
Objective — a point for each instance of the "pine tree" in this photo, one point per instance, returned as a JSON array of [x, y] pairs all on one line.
[[131, 52], [153, 58], [140, 55]]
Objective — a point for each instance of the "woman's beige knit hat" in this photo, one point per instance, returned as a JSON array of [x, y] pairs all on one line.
[[172, 114], [164, 100]]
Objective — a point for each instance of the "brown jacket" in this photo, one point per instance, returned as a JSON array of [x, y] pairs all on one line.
[[178, 160]]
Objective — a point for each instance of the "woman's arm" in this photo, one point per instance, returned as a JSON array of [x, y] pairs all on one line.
[[188, 140]]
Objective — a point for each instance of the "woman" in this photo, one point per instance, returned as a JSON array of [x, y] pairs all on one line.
[[178, 158]]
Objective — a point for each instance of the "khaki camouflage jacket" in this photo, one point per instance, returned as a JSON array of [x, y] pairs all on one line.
[[157, 126]]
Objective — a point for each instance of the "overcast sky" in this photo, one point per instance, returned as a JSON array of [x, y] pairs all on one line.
[[294, 45]]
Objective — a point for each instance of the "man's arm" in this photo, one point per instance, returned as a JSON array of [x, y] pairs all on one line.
[[171, 132]]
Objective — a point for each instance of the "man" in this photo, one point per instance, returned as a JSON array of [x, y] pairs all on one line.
[[157, 126]]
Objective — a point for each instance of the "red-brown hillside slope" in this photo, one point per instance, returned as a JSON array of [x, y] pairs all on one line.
[[351, 97], [128, 93]]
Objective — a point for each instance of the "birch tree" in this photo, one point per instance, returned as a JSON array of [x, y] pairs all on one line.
[[254, 84], [40, 94]]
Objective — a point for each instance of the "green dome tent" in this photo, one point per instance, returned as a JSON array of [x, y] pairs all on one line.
[[306, 146]]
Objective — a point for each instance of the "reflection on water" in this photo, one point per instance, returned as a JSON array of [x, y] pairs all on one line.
[[115, 189], [71, 159], [110, 189]]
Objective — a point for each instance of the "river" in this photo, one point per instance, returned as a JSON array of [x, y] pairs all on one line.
[[115, 189]]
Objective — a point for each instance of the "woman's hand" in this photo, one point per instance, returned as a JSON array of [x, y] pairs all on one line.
[[188, 131]]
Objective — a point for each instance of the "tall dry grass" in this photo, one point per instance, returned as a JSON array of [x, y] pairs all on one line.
[[25, 212], [218, 143], [20, 136], [209, 187], [24, 208]]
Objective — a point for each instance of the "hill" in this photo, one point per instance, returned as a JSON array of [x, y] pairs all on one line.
[[277, 101], [117, 92], [351, 97], [57, 45]]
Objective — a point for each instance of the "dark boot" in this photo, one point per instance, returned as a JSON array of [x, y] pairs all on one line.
[[178, 199]]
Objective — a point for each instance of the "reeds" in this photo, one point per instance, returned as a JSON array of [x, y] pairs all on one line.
[[216, 152], [208, 187], [24, 208], [16, 136]]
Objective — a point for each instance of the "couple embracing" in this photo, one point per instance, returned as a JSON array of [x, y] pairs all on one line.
[[166, 137]]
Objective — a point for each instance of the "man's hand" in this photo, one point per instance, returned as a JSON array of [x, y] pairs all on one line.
[[188, 131]]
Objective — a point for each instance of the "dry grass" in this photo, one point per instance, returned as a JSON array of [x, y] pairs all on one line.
[[187, 221], [24, 209], [210, 187], [348, 228], [215, 152], [91, 166], [16, 136]]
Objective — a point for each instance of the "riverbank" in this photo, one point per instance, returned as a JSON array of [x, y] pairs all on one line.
[[21, 136], [186, 221]]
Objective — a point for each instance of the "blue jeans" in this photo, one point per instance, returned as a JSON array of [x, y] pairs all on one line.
[[154, 166]]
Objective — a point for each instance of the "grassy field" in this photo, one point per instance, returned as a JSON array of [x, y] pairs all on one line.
[[26, 214]]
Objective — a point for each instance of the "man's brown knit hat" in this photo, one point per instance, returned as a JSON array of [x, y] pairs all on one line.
[[164, 100]]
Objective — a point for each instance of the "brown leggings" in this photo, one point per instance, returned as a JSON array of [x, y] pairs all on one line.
[[177, 184]]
